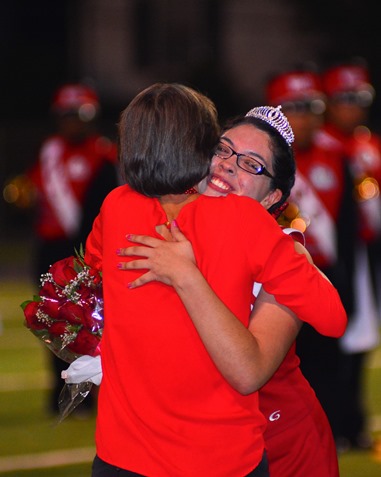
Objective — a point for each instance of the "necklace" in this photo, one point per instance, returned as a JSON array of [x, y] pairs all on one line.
[[190, 191]]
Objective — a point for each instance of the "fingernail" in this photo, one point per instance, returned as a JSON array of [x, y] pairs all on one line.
[[128, 236], [120, 266], [174, 224], [130, 285], [118, 251]]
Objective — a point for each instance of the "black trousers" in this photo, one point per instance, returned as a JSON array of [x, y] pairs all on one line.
[[102, 469]]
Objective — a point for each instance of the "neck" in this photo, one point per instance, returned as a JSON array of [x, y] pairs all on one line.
[[173, 203]]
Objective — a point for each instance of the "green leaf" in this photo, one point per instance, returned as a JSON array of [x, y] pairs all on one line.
[[24, 304], [78, 267], [80, 254]]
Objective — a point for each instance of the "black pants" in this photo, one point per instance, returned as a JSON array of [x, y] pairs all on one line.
[[320, 364], [353, 413], [102, 469]]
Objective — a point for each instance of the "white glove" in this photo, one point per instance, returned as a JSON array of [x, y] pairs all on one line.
[[84, 368]]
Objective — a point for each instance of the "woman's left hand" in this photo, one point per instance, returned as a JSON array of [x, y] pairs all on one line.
[[166, 261]]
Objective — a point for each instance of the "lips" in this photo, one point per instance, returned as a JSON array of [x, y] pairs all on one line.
[[220, 185]]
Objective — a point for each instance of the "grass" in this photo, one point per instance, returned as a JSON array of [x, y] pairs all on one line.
[[27, 430], [80, 470], [33, 445]]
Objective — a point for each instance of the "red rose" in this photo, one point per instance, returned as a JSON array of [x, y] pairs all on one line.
[[86, 293], [63, 271], [60, 334], [81, 315], [71, 328], [72, 313], [50, 307], [98, 293], [59, 328], [85, 343], [31, 320], [95, 276], [48, 290], [92, 319]]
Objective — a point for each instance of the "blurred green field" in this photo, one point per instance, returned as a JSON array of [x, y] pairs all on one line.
[[31, 443]]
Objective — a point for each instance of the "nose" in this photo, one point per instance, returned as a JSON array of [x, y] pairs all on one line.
[[229, 165]]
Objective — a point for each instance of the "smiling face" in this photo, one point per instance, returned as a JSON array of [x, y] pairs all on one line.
[[227, 178]]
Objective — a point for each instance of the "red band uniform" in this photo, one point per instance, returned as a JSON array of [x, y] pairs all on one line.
[[349, 98], [319, 205], [74, 170]]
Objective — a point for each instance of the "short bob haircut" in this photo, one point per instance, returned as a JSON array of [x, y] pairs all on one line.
[[283, 160], [166, 138]]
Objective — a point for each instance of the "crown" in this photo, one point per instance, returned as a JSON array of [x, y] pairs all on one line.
[[276, 119]]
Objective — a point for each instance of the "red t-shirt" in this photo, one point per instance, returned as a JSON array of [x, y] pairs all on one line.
[[164, 409]]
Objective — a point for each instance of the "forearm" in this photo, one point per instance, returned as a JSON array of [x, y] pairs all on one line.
[[245, 357], [245, 361], [307, 292]]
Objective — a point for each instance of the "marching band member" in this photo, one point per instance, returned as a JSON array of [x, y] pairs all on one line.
[[349, 98], [74, 170], [321, 206]]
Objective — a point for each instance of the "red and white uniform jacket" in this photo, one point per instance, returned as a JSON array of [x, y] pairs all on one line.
[[363, 153], [62, 176], [318, 196]]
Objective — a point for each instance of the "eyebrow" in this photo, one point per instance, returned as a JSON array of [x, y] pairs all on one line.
[[248, 153]]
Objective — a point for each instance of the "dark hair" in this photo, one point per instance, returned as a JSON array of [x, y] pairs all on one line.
[[166, 135], [283, 161]]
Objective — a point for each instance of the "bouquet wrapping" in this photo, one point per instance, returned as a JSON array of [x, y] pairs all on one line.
[[67, 315]]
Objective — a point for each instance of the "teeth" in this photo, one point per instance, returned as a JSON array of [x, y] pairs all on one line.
[[219, 183]]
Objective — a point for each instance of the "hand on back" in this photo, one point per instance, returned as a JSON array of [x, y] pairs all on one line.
[[166, 261]]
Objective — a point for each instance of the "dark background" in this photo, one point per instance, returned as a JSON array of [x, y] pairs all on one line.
[[36, 53]]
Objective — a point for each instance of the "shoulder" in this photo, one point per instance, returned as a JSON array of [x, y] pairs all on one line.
[[105, 148], [51, 142], [233, 203], [123, 195], [297, 235], [237, 214], [248, 210], [326, 141], [120, 192]]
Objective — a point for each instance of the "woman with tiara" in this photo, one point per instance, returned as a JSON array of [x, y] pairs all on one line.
[[298, 437]]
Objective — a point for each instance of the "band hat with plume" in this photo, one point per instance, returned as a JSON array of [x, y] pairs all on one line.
[[296, 85], [275, 118]]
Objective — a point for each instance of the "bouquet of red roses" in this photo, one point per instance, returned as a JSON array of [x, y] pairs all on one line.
[[67, 315]]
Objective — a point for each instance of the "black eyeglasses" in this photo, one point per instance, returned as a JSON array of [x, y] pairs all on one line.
[[247, 163]]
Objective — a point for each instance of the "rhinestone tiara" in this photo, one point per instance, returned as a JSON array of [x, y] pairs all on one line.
[[276, 119]]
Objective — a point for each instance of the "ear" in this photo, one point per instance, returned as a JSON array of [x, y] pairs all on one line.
[[271, 198]]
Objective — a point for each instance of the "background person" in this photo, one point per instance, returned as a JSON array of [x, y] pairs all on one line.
[[347, 129], [74, 170], [321, 206]]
